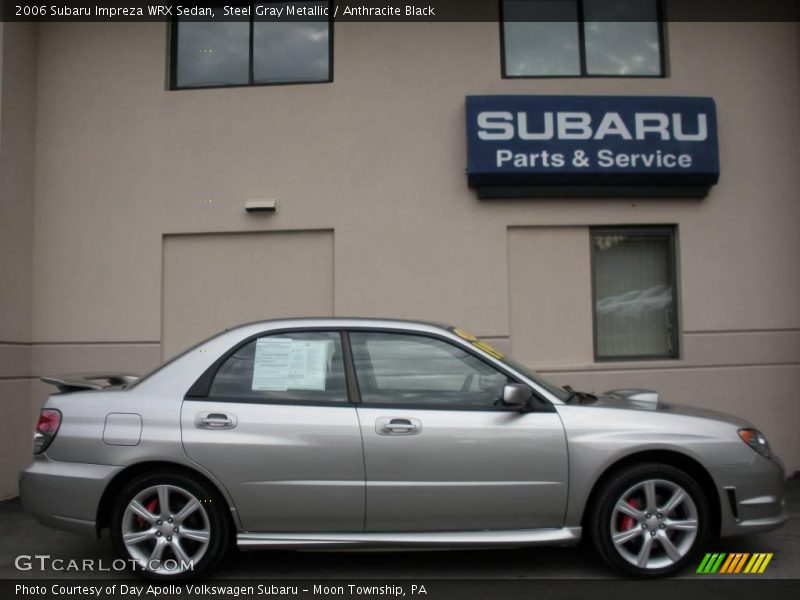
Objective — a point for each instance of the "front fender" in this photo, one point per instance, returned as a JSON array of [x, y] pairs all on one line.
[[600, 438]]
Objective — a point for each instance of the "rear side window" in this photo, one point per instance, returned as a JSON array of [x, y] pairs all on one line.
[[288, 367]]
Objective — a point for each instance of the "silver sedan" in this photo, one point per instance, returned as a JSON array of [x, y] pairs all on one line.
[[358, 433]]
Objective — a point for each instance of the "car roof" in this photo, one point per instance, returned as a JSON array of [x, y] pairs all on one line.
[[341, 322]]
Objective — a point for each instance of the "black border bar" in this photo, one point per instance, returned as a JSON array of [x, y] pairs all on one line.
[[710, 587], [369, 10]]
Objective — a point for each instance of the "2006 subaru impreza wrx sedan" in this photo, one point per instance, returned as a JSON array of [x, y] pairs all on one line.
[[347, 433]]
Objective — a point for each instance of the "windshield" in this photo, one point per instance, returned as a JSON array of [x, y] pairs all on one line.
[[557, 391]]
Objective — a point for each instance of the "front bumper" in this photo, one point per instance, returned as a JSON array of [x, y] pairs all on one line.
[[752, 496], [64, 495]]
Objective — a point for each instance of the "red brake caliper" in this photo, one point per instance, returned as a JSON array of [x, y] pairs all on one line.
[[152, 506], [627, 521]]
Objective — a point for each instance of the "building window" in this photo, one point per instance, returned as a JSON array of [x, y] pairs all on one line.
[[634, 293], [582, 38], [255, 49]]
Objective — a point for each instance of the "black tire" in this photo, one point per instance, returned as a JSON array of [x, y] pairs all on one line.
[[619, 556], [210, 517]]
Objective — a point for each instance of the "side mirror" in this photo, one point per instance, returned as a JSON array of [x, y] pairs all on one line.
[[517, 395]]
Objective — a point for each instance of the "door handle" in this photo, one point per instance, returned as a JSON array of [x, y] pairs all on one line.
[[397, 426], [215, 421]]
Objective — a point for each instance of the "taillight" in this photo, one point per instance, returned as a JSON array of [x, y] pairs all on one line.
[[46, 429]]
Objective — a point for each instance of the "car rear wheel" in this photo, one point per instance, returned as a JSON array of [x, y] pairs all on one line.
[[169, 526], [650, 520]]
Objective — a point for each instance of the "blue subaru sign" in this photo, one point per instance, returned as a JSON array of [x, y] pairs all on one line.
[[591, 145]]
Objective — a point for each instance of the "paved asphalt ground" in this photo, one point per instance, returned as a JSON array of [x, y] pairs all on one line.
[[19, 534]]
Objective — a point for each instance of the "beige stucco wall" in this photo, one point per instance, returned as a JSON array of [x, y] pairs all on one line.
[[378, 158], [209, 277], [17, 125]]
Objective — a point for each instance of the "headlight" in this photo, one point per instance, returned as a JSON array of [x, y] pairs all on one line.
[[756, 440]]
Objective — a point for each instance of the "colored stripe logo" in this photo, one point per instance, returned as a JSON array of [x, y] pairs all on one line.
[[734, 563]]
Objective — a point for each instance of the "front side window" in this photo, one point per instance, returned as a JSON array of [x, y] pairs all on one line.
[[407, 370], [255, 48], [289, 367], [635, 297], [574, 38]]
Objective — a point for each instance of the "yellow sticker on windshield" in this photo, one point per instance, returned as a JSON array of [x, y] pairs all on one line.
[[464, 335], [490, 350]]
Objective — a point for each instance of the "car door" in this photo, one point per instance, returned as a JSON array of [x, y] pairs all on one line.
[[441, 452], [277, 429]]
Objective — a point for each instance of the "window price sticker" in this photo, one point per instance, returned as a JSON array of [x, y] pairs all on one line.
[[283, 364]]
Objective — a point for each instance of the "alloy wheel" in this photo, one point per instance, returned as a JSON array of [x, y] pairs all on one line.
[[166, 529], [654, 524]]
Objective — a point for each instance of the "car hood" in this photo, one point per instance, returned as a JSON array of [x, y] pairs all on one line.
[[647, 400]]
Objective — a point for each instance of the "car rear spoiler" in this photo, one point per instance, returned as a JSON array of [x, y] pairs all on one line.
[[89, 381]]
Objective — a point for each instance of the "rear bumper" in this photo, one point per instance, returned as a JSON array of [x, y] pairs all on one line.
[[752, 496], [64, 495]]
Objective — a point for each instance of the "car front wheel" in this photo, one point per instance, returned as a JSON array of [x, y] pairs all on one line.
[[169, 526], [650, 520]]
